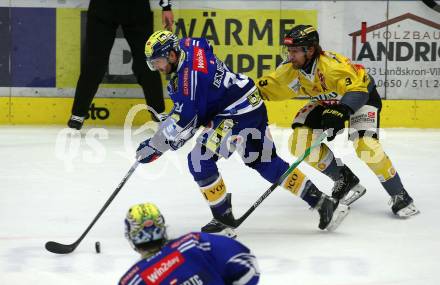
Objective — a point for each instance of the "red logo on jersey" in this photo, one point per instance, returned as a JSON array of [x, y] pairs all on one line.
[[184, 239], [186, 81], [322, 80], [199, 60], [128, 276], [358, 66], [161, 269], [326, 103], [371, 115]]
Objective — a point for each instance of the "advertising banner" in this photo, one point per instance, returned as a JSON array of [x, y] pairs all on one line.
[[403, 55], [397, 41], [248, 41]]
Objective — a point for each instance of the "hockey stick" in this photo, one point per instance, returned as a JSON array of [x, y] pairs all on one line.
[[317, 142], [59, 248]]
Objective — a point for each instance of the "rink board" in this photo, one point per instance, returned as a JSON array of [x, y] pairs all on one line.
[[113, 112]]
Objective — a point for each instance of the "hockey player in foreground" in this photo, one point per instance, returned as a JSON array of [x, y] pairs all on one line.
[[195, 258], [339, 91], [206, 93]]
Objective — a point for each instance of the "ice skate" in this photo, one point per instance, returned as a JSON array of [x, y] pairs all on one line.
[[216, 227], [222, 224], [402, 205], [331, 213], [347, 188]]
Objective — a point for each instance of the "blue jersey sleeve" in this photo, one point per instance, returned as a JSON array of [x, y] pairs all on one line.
[[233, 260], [187, 88], [201, 88]]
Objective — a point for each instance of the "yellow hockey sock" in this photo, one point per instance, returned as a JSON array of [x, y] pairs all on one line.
[[295, 182], [215, 192]]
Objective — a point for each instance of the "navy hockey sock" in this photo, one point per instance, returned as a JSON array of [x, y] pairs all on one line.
[[311, 194]]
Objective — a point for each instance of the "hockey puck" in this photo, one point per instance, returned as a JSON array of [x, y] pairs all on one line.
[[98, 247]]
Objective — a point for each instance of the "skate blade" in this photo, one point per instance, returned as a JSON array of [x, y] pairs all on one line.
[[354, 194], [408, 211], [338, 216]]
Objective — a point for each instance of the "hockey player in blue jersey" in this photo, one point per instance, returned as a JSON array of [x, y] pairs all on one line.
[[192, 259], [206, 93]]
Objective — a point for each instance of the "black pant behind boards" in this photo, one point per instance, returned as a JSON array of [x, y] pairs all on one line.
[[102, 23]]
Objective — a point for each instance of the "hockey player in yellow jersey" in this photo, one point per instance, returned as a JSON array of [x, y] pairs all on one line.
[[339, 91]]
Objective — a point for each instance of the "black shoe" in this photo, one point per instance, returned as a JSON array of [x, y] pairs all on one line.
[[216, 227], [347, 188], [331, 213], [402, 205], [75, 122]]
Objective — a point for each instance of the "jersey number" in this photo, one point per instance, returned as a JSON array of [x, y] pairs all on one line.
[[262, 83], [231, 79]]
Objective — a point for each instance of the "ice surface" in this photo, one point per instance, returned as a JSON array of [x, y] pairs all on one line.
[[52, 187]]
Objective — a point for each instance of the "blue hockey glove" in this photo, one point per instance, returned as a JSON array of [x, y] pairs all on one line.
[[147, 153], [334, 117]]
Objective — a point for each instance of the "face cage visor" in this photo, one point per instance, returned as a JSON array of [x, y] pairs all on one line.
[[156, 63], [285, 51], [145, 235]]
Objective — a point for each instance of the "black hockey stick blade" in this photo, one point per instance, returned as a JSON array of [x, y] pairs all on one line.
[[68, 248], [59, 248]]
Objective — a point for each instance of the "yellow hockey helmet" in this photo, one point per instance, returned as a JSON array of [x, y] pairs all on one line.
[[144, 224], [159, 45]]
